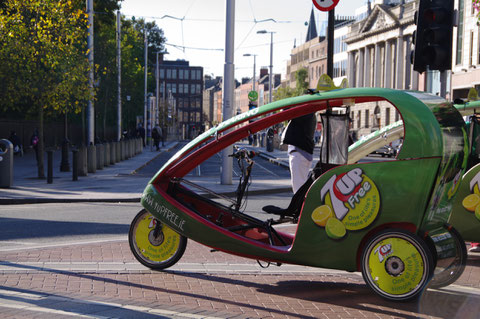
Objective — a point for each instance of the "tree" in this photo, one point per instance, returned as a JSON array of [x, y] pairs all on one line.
[[301, 77], [301, 86], [43, 63]]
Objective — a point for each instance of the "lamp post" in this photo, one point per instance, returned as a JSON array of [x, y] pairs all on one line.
[[254, 62], [270, 88]]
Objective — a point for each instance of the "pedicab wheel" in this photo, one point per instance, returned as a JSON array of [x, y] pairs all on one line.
[[397, 264], [451, 273], [153, 243]]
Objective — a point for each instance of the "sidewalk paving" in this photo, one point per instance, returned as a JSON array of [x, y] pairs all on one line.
[[115, 183]]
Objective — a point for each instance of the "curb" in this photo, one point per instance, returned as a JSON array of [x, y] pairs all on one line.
[[274, 160], [135, 171], [25, 201]]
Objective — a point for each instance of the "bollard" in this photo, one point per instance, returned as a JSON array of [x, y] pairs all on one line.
[[75, 165], [118, 152], [50, 167], [82, 161], [6, 163], [113, 153], [100, 155], [124, 150], [106, 154], [92, 158]]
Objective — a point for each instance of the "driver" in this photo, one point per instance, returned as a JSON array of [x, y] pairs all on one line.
[[299, 136]]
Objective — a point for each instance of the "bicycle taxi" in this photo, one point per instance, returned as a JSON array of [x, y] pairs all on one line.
[[386, 219]]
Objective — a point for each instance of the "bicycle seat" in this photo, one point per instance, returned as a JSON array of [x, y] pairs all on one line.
[[296, 203], [293, 209]]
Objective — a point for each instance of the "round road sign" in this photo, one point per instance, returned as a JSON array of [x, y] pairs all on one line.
[[253, 95], [325, 5]]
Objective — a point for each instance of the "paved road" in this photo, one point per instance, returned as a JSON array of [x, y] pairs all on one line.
[[87, 272], [211, 167]]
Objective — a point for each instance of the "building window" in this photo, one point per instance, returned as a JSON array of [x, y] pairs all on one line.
[[397, 116], [199, 74], [197, 88], [162, 73], [180, 88], [186, 73], [359, 119], [180, 74], [367, 117], [192, 88], [174, 87], [387, 116], [470, 56], [460, 31], [169, 73], [174, 74]]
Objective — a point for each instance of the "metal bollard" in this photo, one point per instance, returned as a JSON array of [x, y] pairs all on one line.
[[75, 165], [106, 153], [92, 158], [100, 155], [113, 153], [50, 167]]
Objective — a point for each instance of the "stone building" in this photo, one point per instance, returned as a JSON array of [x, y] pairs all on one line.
[[466, 51], [379, 48]]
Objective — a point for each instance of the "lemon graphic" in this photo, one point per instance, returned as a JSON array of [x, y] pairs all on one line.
[[335, 228], [477, 212], [321, 214], [471, 202]]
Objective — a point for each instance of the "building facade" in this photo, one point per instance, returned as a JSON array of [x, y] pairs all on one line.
[[185, 83], [466, 50], [379, 48]]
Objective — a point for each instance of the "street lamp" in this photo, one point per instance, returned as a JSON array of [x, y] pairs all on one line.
[[270, 89], [254, 60]]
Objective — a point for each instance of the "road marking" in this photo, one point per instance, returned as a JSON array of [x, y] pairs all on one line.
[[95, 307], [87, 242]]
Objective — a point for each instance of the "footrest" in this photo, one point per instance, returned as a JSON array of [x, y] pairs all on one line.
[[270, 209]]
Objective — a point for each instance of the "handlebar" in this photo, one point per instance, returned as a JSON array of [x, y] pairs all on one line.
[[243, 153]]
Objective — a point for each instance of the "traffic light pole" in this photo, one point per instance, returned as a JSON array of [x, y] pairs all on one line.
[[228, 88], [443, 84]]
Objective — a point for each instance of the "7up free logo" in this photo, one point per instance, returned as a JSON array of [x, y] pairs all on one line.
[[353, 197]]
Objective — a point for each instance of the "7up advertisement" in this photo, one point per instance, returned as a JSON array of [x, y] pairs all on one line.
[[466, 209], [351, 201]]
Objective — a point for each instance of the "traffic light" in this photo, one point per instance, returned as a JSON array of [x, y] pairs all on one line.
[[433, 38]]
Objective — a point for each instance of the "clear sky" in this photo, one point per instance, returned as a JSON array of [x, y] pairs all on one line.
[[199, 25]]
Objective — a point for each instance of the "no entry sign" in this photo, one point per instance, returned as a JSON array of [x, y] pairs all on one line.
[[325, 5]]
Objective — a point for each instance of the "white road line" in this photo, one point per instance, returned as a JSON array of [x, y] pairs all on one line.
[[30, 306], [87, 242]]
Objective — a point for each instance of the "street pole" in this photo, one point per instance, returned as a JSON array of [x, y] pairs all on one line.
[[330, 42], [119, 66], [90, 110], [270, 76], [147, 129], [228, 87], [270, 88], [157, 90], [443, 84], [254, 66]]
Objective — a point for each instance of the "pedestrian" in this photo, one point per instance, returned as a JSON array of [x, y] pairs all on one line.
[[17, 144], [141, 133], [299, 136], [157, 135], [34, 140]]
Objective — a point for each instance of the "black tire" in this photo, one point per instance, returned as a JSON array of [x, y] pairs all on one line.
[[403, 267], [454, 270], [154, 244]]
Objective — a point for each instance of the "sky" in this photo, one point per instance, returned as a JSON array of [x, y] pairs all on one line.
[[199, 26]]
